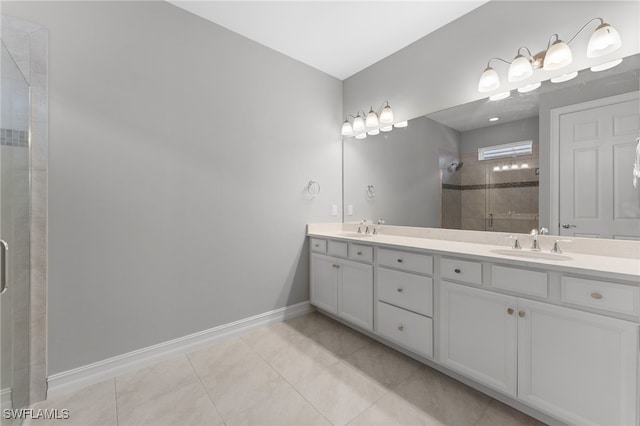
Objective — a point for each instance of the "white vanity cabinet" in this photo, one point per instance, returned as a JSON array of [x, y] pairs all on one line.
[[404, 305], [579, 367], [342, 287]]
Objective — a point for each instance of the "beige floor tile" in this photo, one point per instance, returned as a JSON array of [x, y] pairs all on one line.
[[188, 405], [220, 357], [148, 384], [341, 340], [311, 324], [442, 398], [499, 414], [94, 405], [339, 392], [246, 381], [300, 360], [385, 365], [266, 341], [392, 409], [284, 407]]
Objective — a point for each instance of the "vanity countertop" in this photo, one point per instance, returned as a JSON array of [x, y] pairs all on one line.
[[624, 268]]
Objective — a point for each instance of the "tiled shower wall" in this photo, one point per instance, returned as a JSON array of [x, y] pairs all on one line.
[[488, 200], [28, 44]]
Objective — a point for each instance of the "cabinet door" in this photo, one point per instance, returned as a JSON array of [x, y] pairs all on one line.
[[324, 282], [577, 366], [478, 335], [356, 294]]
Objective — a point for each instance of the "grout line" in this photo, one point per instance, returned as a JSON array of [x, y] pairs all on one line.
[[484, 411], [115, 396], [205, 388]]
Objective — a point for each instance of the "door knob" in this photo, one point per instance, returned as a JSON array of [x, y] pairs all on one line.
[[568, 225]]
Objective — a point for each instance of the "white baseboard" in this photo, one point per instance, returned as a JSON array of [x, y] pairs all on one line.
[[78, 378], [5, 398]]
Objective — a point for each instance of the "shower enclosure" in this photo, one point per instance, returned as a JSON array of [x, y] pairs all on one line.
[[15, 196]]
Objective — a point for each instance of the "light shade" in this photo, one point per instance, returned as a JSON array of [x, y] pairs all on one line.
[[558, 56], [386, 128], [564, 77], [372, 119], [489, 81], [386, 116], [499, 96], [373, 132], [401, 124], [605, 39], [520, 69], [347, 128], [361, 136], [606, 65], [529, 87], [358, 123]]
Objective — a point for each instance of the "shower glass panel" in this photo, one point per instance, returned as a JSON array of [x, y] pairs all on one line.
[[15, 232]]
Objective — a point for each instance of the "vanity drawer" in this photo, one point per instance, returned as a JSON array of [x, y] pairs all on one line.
[[405, 328], [409, 291], [337, 248], [412, 262], [612, 297], [318, 245], [461, 270], [360, 252], [519, 280]]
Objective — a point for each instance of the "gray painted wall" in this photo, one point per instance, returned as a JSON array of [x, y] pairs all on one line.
[[514, 131], [403, 165], [442, 69], [179, 154]]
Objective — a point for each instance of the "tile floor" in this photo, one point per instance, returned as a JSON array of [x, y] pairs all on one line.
[[310, 370]]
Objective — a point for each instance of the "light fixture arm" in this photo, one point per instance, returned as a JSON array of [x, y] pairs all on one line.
[[585, 26], [497, 59], [528, 51]]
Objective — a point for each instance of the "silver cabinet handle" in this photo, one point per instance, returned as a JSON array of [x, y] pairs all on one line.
[[4, 270], [568, 225]]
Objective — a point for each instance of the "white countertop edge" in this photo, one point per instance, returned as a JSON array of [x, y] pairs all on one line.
[[586, 264]]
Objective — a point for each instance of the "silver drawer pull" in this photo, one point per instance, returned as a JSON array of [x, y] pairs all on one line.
[[359, 253], [399, 260], [596, 295], [336, 266], [4, 269], [457, 271], [399, 290], [317, 245], [401, 327]]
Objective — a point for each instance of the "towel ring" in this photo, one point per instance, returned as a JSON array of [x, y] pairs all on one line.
[[313, 188]]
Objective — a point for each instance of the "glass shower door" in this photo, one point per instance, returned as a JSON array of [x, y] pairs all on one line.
[[15, 236]]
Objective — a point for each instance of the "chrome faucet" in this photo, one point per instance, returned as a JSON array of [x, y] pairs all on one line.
[[362, 222], [516, 243], [376, 229], [534, 244]]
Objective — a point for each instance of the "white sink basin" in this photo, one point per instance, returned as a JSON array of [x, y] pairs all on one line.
[[354, 235], [531, 254]]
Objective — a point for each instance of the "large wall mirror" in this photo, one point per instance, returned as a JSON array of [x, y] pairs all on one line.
[[576, 178]]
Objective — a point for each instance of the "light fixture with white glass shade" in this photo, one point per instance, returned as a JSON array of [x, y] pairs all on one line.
[[372, 123], [564, 77], [529, 87], [520, 68], [604, 40], [500, 96], [401, 124]]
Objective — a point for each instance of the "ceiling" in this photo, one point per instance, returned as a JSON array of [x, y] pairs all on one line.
[[340, 38]]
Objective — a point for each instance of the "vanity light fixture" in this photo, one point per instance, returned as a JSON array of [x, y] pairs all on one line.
[[494, 119], [529, 87], [604, 40], [606, 65], [564, 77], [401, 124], [500, 96], [370, 122], [361, 136]]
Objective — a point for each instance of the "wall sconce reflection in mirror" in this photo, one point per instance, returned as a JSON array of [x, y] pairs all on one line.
[[371, 123], [313, 188], [371, 191], [557, 55]]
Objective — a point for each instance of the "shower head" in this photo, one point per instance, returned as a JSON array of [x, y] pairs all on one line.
[[454, 167]]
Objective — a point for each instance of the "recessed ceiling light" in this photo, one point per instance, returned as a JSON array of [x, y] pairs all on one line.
[[494, 119], [499, 96]]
